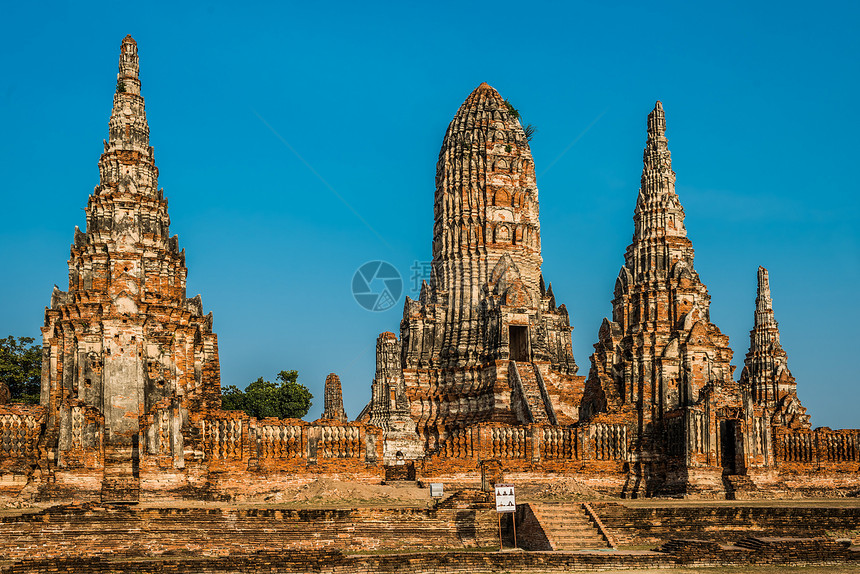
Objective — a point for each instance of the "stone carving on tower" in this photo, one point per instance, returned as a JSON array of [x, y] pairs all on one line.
[[485, 341], [765, 374], [660, 365], [124, 342], [333, 400]]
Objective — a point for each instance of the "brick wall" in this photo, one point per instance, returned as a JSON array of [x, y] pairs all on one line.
[[653, 525], [121, 531], [442, 562]]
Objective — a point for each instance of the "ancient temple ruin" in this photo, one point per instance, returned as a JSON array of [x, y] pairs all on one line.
[[660, 365], [662, 369], [333, 399], [480, 382], [765, 375], [485, 341], [124, 340]]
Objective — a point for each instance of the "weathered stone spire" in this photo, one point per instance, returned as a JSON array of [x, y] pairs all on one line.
[[333, 399], [486, 208], [766, 375], [765, 323], [127, 170], [125, 341], [660, 352], [129, 129], [658, 211], [484, 307]]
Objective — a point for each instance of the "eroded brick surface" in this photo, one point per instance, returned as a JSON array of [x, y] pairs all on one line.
[[482, 375], [333, 399]]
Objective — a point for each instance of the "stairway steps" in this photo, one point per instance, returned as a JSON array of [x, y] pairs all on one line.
[[119, 484], [531, 391], [569, 527]]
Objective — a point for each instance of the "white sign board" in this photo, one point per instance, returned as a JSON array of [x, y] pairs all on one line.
[[436, 489], [505, 501]]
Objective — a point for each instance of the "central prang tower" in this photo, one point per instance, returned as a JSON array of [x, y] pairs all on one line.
[[485, 340]]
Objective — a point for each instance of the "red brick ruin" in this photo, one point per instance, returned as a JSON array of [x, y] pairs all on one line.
[[481, 378]]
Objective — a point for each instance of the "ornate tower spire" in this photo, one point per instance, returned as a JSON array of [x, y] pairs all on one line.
[[764, 318], [484, 324], [333, 399], [125, 341], [658, 211], [486, 208], [128, 127], [765, 374], [660, 352]]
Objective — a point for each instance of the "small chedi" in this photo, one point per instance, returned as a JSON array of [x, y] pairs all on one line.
[[766, 375], [333, 400], [480, 382]]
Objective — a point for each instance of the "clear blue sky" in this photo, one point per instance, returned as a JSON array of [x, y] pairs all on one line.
[[763, 124]]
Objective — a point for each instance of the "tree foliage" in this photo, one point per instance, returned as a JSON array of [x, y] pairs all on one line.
[[284, 399], [21, 368]]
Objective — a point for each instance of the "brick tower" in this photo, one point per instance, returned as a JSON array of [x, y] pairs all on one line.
[[485, 340], [333, 400], [660, 365], [125, 342], [766, 375]]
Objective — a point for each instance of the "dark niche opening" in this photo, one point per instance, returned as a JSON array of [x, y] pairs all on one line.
[[727, 446], [519, 342]]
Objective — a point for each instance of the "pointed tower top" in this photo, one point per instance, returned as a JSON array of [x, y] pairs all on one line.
[[333, 399], [483, 92], [657, 122], [763, 282], [766, 372], [763, 301], [128, 78], [658, 211], [128, 126]]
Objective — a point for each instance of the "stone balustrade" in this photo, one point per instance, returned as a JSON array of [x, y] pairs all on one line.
[[815, 448]]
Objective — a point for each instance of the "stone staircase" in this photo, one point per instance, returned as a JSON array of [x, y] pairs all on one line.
[[569, 527], [121, 481], [530, 390], [739, 487]]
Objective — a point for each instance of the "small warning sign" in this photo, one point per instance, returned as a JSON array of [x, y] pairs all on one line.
[[505, 500]]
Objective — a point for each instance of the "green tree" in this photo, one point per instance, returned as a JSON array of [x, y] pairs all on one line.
[[285, 399], [21, 368]]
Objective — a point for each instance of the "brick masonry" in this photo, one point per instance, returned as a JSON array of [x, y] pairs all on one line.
[[681, 553], [482, 370]]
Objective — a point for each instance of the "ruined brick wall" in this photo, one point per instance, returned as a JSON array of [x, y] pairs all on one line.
[[93, 530], [633, 525], [811, 450], [793, 551], [21, 437]]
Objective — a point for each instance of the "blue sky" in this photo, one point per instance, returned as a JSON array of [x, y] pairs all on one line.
[[297, 141]]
